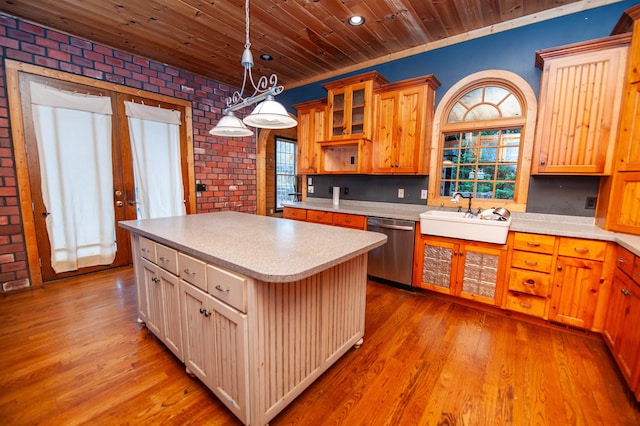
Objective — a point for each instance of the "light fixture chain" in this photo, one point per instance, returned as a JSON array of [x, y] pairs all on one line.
[[247, 43]]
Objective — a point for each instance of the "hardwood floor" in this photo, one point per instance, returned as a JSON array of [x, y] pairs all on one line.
[[73, 353]]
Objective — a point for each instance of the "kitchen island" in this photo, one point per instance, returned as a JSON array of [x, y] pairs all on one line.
[[256, 307]]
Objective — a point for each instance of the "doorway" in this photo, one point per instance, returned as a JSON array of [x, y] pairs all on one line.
[[122, 192]]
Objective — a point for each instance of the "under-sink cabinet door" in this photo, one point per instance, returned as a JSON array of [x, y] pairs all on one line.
[[435, 265], [480, 272]]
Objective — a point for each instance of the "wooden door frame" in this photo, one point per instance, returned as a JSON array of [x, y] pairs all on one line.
[[13, 68]]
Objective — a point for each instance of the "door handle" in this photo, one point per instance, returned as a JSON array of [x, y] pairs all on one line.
[[45, 214], [132, 202]]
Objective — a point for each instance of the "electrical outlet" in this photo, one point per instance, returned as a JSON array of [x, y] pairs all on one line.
[[309, 180], [310, 189], [590, 203], [423, 194], [400, 193]]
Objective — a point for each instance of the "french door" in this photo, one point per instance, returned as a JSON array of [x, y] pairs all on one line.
[[123, 198]]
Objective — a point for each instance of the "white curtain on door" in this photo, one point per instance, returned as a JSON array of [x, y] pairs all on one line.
[[73, 135], [157, 167]]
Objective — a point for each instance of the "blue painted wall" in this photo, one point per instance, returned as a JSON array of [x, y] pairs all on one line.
[[512, 50]]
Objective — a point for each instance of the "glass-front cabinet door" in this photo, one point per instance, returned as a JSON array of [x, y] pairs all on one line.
[[350, 112]]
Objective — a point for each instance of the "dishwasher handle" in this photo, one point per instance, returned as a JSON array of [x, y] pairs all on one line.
[[385, 226]]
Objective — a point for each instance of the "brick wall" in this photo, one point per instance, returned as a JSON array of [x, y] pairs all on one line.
[[226, 166]]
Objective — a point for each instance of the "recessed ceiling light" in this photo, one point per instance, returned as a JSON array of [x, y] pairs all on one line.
[[266, 57], [356, 20]]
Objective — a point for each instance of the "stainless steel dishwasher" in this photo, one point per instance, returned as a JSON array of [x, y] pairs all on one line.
[[392, 261]]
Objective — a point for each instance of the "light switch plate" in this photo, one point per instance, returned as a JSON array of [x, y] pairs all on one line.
[[310, 189], [423, 194], [400, 193]]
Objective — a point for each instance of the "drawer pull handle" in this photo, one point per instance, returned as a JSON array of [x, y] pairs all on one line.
[[532, 244], [525, 305], [222, 289], [530, 282], [155, 279], [163, 259], [625, 292], [188, 272], [531, 262], [622, 260], [581, 249], [204, 312], [144, 250]]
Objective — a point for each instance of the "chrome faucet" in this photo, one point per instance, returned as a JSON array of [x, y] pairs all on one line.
[[455, 198]]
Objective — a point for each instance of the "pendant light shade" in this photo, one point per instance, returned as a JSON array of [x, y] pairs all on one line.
[[230, 126], [270, 114]]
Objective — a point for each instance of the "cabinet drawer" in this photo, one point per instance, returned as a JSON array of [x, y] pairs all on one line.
[[583, 249], [526, 303], [228, 287], [293, 213], [167, 258], [532, 261], [319, 216], [349, 220], [148, 249], [529, 282], [624, 260], [534, 242], [193, 271]]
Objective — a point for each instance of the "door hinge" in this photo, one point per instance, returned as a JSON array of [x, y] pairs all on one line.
[[40, 262], [33, 207]]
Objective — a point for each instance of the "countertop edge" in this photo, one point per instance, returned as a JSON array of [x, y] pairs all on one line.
[[249, 272], [533, 223]]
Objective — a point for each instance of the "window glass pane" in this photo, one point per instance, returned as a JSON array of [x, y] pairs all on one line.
[[482, 112], [457, 113], [472, 98], [494, 94], [286, 178], [505, 191], [511, 107]]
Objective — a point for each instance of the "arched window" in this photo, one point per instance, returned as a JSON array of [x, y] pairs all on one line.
[[483, 140]]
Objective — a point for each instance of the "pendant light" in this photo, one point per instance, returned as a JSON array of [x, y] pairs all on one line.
[[268, 114]]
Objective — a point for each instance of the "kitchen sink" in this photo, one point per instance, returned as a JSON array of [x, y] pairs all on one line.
[[456, 225]]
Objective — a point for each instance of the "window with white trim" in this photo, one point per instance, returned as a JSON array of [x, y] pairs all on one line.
[[483, 132]]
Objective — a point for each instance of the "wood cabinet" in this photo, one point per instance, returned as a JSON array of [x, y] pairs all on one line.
[[402, 126], [530, 271], [215, 337], [312, 118], [621, 331], [345, 157], [350, 106], [581, 94], [465, 269], [579, 283], [163, 314], [344, 220]]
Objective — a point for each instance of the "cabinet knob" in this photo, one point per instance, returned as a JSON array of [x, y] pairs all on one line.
[[559, 267], [543, 162], [530, 282], [625, 292], [155, 279]]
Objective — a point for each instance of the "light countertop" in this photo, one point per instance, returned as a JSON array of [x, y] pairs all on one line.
[[261, 247], [535, 223]]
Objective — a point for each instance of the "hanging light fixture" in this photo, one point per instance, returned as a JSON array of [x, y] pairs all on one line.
[[268, 114]]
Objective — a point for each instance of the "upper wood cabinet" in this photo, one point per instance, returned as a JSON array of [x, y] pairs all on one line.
[[579, 108], [312, 119], [402, 124], [350, 106]]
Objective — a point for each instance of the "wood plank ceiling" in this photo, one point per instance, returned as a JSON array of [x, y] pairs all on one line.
[[309, 40]]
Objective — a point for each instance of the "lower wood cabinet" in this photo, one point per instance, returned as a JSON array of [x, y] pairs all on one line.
[[580, 286], [215, 347], [163, 314], [621, 331], [466, 269]]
